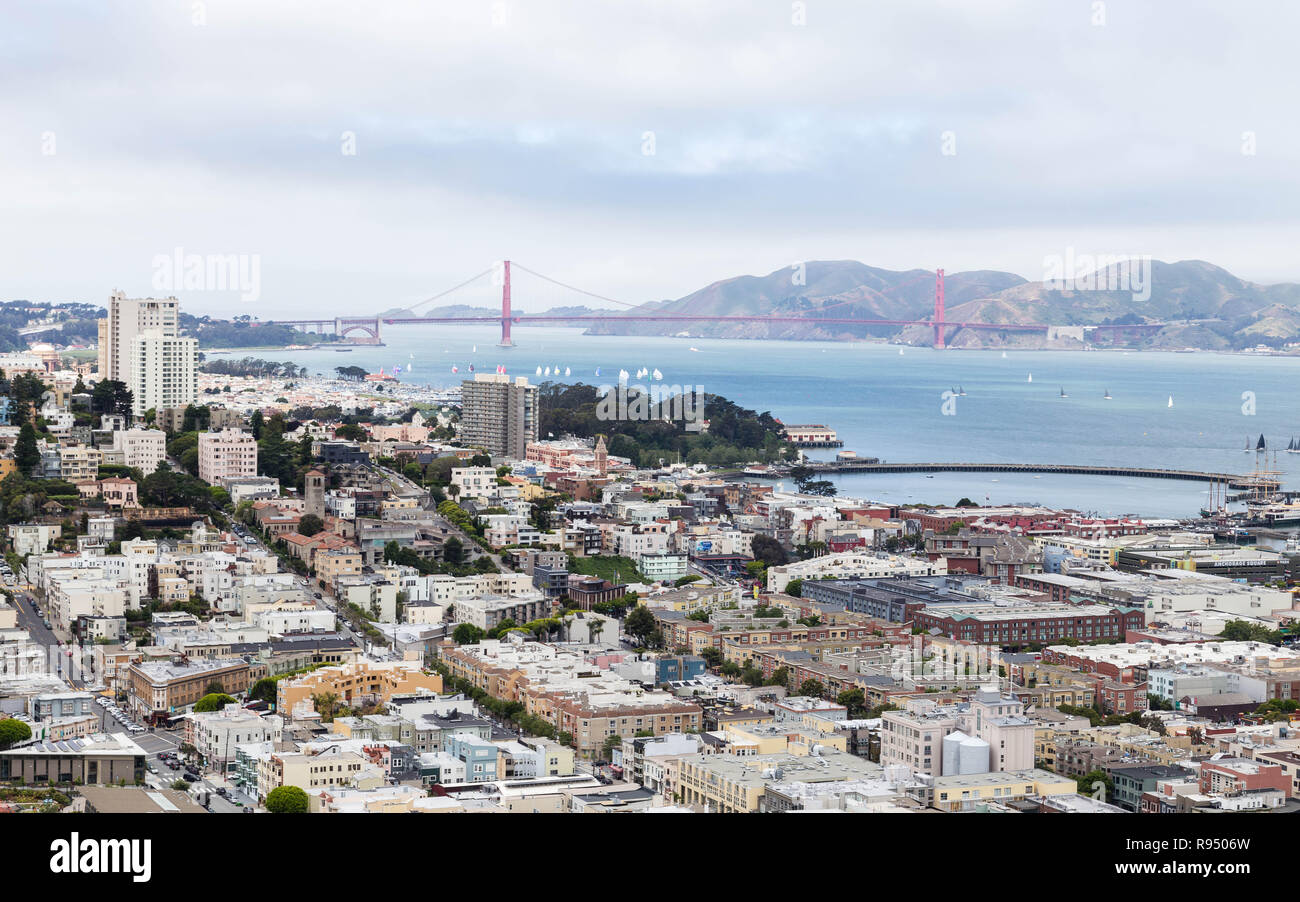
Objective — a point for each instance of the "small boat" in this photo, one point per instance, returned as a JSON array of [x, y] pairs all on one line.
[[1171, 401], [1294, 447], [657, 374], [566, 371], [622, 375], [900, 352], [474, 350], [1031, 377], [1260, 446], [597, 371], [1063, 394], [961, 392], [1004, 355], [539, 371], [1107, 397], [697, 350], [548, 372], [1247, 448]]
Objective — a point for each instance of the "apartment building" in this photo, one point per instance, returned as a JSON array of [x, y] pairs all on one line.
[[499, 414], [353, 682], [144, 449], [228, 454]]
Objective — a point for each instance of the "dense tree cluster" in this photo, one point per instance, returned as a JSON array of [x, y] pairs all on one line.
[[254, 366], [734, 435]]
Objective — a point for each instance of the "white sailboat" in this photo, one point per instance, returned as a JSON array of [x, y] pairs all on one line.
[[1004, 355], [1107, 397], [548, 371], [657, 374], [900, 352], [539, 371], [1171, 401], [1031, 377], [566, 371]]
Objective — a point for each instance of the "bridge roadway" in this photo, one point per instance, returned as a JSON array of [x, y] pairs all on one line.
[[1233, 480]]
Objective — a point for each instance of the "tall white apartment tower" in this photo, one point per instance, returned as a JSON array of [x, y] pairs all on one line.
[[141, 345]]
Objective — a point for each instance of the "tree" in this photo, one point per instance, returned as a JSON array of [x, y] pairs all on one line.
[[812, 688], [453, 550], [853, 699], [180, 785], [350, 431], [213, 701], [255, 423], [640, 624], [780, 677], [263, 690], [13, 731], [287, 800], [769, 551], [611, 743], [712, 656], [310, 524], [1087, 781], [794, 587], [326, 703], [467, 634], [26, 454]]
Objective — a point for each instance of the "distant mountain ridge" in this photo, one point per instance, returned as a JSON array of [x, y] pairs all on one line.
[[1205, 306]]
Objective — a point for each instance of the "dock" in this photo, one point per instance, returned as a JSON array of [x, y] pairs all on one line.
[[1232, 480]]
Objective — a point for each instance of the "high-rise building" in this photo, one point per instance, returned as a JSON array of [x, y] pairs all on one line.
[[498, 414], [164, 372], [141, 346]]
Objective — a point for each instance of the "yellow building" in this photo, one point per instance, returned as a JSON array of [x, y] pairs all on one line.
[[355, 683], [330, 565], [966, 792]]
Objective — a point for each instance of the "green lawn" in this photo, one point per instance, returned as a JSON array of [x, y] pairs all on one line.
[[605, 566]]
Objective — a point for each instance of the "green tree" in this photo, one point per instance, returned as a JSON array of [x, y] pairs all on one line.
[[213, 701], [13, 731], [264, 690], [812, 688], [640, 624], [453, 550], [287, 800], [853, 699], [310, 524], [611, 743], [26, 454], [467, 634], [1087, 783], [326, 704], [795, 588]]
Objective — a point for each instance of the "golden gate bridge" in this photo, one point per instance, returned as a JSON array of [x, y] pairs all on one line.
[[368, 329]]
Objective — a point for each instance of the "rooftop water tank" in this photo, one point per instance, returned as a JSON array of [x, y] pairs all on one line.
[[973, 756], [952, 752]]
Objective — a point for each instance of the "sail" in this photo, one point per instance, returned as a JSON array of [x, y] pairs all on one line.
[[1259, 445]]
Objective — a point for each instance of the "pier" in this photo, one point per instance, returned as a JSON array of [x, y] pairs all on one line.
[[1232, 480]]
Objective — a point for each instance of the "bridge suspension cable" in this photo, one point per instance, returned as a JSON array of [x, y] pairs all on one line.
[[443, 294]]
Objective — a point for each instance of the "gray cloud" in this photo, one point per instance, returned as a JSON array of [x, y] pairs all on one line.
[[772, 142]]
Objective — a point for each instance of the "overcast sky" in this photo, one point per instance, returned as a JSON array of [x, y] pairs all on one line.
[[519, 129]]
